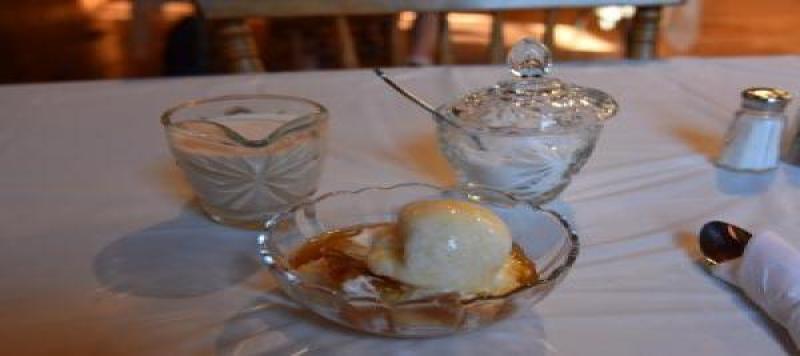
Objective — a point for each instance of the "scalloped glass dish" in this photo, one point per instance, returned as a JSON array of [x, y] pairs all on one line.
[[545, 237], [248, 156]]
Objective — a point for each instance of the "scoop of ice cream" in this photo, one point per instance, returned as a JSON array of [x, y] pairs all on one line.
[[448, 245]]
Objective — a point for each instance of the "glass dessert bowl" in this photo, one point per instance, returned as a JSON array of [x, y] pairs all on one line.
[[344, 288]]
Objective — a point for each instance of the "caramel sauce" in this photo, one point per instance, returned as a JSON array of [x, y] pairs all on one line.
[[342, 258], [323, 245], [523, 267]]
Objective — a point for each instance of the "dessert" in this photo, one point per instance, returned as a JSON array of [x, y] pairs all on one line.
[[447, 245], [435, 247], [326, 255]]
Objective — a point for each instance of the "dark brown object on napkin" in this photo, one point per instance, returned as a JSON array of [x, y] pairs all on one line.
[[721, 241]]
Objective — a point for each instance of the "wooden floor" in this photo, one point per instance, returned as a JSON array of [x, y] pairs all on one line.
[[52, 40]]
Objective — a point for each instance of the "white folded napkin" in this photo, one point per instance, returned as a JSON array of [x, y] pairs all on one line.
[[769, 274]]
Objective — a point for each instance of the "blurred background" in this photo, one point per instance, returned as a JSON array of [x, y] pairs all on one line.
[[57, 40]]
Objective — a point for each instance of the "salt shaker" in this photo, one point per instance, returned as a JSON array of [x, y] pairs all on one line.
[[753, 141]]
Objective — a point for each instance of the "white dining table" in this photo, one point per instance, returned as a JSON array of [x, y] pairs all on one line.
[[103, 250]]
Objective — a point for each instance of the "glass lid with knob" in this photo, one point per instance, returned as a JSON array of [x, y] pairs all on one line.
[[530, 103]]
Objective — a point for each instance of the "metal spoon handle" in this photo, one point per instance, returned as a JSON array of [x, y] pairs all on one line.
[[407, 94], [421, 103]]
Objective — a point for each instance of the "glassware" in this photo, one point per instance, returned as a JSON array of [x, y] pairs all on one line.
[[753, 141], [526, 136], [248, 156], [546, 238]]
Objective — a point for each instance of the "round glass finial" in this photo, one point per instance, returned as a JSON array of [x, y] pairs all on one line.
[[529, 58]]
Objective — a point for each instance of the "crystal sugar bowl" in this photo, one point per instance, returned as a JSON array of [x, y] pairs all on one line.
[[526, 136]]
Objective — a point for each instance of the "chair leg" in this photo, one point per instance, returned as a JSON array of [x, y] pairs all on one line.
[[395, 41], [347, 47], [497, 51], [643, 34], [549, 36], [236, 47], [445, 49], [297, 51]]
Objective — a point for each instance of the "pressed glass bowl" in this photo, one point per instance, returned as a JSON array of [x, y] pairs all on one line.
[[546, 238], [248, 156], [528, 135]]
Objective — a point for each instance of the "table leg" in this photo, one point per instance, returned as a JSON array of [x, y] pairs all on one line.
[[643, 34], [236, 47]]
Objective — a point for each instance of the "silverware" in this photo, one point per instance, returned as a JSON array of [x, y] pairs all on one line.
[[421, 103], [721, 241]]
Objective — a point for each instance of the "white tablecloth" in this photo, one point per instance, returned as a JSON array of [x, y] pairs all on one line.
[[102, 251]]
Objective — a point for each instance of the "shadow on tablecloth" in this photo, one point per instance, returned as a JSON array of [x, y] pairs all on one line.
[[184, 257], [744, 183], [698, 141], [792, 174], [423, 154], [728, 181], [274, 325]]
